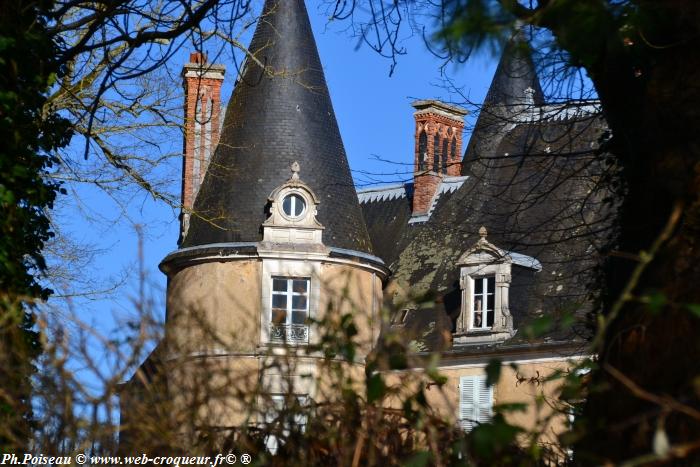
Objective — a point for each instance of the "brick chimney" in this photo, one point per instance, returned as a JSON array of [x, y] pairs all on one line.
[[202, 82], [438, 152]]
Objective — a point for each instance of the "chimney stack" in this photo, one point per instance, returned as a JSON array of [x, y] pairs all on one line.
[[202, 82], [438, 151]]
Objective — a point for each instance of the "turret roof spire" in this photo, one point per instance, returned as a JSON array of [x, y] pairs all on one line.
[[279, 113], [515, 89], [516, 77]]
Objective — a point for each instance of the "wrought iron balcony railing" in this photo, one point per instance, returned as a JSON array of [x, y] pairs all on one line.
[[292, 333]]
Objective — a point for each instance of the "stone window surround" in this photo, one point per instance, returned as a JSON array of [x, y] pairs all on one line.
[[502, 273], [280, 227], [481, 260], [288, 268]]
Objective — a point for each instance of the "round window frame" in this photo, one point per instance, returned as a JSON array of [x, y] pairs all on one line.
[[303, 211]]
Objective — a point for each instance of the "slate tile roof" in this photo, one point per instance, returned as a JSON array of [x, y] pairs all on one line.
[[279, 113], [539, 196]]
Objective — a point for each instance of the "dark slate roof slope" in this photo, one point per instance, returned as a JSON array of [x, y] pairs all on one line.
[[386, 213], [505, 100], [537, 195], [276, 116], [514, 75]]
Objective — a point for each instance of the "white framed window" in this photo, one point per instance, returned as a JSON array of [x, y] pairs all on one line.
[[287, 306], [293, 205], [483, 302], [289, 309], [475, 402], [398, 317], [289, 417]]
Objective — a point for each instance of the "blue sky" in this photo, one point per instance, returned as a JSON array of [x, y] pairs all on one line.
[[375, 119]]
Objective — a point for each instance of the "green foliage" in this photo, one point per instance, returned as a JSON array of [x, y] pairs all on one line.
[[538, 327], [29, 133], [495, 440], [493, 371], [419, 459], [656, 301], [694, 308], [385, 417], [375, 387]]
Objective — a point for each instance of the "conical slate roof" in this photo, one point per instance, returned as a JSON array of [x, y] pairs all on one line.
[[514, 75], [277, 115], [515, 78]]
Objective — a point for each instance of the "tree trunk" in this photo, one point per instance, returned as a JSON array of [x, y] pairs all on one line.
[[648, 80]]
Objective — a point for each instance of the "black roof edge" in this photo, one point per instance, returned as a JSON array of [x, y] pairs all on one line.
[[576, 347], [174, 260]]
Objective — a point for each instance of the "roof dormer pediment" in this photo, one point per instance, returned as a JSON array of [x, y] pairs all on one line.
[[483, 252], [293, 207]]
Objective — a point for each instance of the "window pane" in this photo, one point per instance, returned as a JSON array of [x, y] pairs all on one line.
[[279, 301], [299, 205], [489, 318], [298, 317], [279, 285], [491, 284], [279, 316], [477, 320], [478, 285], [299, 302], [293, 205], [489, 302], [300, 285], [478, 303]]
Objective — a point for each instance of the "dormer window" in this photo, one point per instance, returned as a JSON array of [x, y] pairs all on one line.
[[398, 317], [292, 221], [485, 277]]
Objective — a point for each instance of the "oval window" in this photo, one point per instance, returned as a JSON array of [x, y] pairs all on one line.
[[293, 205]]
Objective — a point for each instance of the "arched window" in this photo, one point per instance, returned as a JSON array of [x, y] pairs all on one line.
[[436, 153], [422, 150], [445, 153], [453, 153]]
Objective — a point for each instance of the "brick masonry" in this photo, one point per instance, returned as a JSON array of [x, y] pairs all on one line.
[[202, 83], [446, 123]]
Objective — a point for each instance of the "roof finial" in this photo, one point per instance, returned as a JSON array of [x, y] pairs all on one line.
[[483, 232], [530, 96], [295, 170]]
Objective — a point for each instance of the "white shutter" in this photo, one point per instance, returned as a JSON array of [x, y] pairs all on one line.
[[475, 401], [485, 398], [467, 414]]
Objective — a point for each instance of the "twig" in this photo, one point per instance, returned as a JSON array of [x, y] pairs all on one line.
[[664, 401]]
